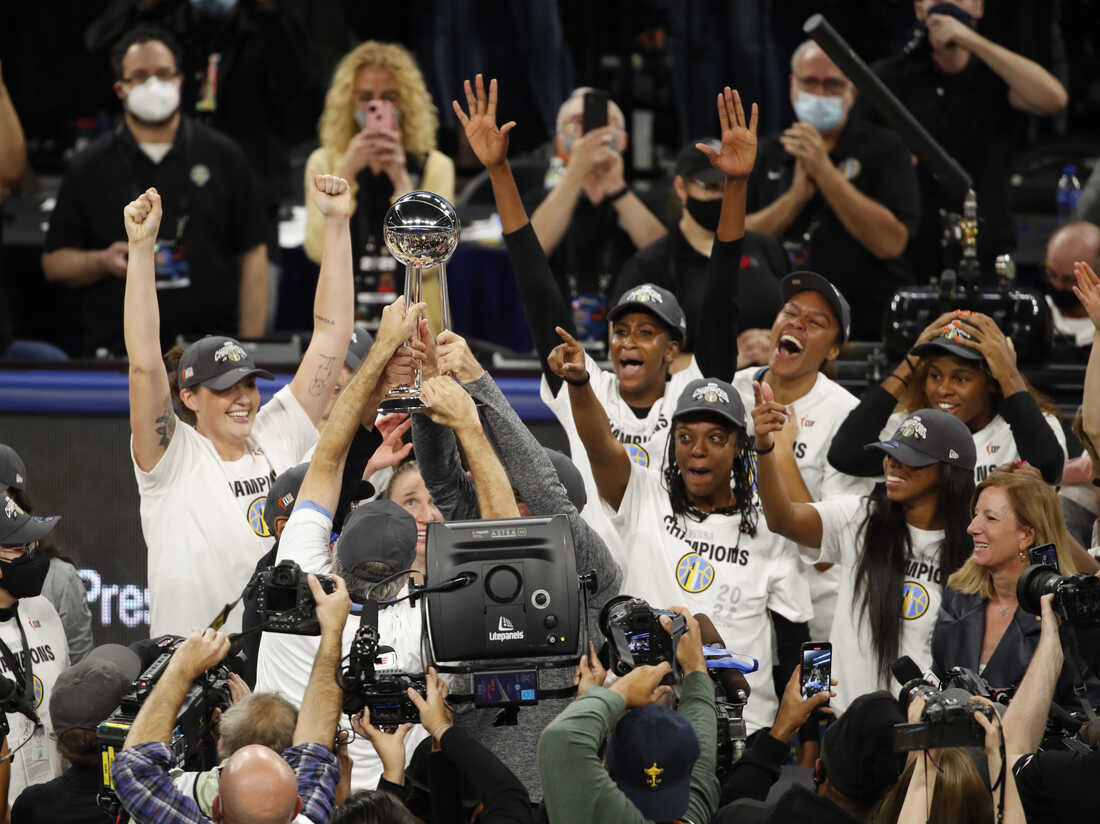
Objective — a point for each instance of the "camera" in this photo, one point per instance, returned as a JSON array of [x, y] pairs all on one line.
[[193, 741], [948, 716], [284, 601], [1076, 598], [732, 729], [384, 694], [635, 636]]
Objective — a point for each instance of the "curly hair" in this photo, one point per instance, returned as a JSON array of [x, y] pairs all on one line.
[[741, 477], [419, 116]]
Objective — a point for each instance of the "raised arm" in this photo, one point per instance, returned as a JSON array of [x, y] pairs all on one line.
[[609, 461], [333, 303], [152, 416], [542, 301], [449, 405], [716, 341], [320, 711], [1026, 718], [799, 522], [1087, 291], [13, 145], [323, 478]]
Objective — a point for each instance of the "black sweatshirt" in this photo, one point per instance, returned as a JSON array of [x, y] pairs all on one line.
[[715, 344], [464, 760], [1035, 442]]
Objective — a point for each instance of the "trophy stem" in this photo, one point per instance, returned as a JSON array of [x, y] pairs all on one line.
[[443, 298], [406, 397]]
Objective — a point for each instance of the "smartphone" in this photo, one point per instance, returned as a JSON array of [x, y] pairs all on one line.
[[1044, 555], [595, 110], [817, 668], [381, 117]]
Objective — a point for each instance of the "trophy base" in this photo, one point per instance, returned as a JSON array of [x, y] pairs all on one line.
[[407, 403]]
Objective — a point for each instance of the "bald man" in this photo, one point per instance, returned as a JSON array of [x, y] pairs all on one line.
[[257, 785], [839, 193], [1079, 240]]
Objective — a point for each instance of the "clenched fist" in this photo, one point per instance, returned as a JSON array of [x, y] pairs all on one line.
[[332, 195], [142, 217]]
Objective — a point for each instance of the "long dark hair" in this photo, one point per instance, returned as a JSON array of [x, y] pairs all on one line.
[[886, 548], [741, 476]]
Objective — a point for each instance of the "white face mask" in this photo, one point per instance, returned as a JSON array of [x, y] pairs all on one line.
[[154, 101]]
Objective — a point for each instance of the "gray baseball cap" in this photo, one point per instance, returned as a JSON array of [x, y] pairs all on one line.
[[217, 362], [358, 348], [930, 436], [379, 536], [17, 527], [714, 396], [13, 472], [657, 301], [806, 281], [87, 693]]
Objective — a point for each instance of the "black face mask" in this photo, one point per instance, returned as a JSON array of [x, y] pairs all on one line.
[[705, 212], [23, 577], [1062, 299]]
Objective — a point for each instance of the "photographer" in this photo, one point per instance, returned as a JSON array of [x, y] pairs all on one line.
[[255, 783], [856, 768], [659, 764], [543, 483]]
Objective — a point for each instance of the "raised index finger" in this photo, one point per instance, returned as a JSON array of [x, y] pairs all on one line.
[[565, 336]]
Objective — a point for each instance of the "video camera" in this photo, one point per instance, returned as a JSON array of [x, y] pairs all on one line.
[[1076, 598], [284, 601], [385, 695], [193, 740], [948, 716], [635, 636]]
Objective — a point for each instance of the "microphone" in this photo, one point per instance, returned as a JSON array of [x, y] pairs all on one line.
[[730, 679], [906, 670]]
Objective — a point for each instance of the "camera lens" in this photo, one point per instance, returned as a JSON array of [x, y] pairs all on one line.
[[1035, 582]]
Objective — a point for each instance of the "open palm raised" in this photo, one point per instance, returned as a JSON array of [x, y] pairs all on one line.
[[738, 152], [489, 143]]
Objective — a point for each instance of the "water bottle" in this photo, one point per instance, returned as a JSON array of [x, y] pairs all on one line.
[[1069, 190]]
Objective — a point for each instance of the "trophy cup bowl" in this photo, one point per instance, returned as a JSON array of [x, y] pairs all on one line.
[[421, 230]]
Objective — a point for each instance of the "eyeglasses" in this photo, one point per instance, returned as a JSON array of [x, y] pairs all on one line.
[[830, 86], [163, 75]]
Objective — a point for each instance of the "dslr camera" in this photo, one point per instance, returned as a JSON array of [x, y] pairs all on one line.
[[948, 717], [1076, 598], [635, 636], [284, 601], [385, 694]]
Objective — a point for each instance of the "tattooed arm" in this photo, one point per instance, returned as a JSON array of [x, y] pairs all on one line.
[[152, 419], [333, 303]]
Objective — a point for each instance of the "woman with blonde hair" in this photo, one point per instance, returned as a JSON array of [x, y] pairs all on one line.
[[378, 132], [980, 625]]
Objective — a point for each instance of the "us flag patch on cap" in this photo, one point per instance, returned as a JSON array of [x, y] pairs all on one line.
[[188, 372]]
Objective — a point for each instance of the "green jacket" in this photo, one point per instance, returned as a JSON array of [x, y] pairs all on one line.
[[577, 788]]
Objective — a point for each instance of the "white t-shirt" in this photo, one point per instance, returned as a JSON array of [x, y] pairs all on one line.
[[202, 517], [854, 662], [285, 661], [819, 414], [713, 568], [1080, 329], [646, 439], [993, 443], [38, 761]]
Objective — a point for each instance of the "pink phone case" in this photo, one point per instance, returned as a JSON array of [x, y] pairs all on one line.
[[381, 117]]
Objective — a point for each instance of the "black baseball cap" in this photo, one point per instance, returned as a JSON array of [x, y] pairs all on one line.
[[948, 344], [714, 396], [650, 756], [17, 527], [806, 281], [692, 163], [930, 436], [858, 748], [657, 301], [358, 348], [89, 691], [380, 536], [217, 362], [13, 472]]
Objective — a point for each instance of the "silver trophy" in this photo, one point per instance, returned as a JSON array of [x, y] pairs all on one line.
[[421, 230]]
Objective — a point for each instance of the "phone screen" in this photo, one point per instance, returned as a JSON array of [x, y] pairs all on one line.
[[817, 667], [1045, 555], [595, 111]]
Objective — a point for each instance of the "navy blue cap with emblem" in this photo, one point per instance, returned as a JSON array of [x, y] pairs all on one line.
[[713, 396], [806, 281], [657, 301], [930, 436], [217, 362], [650, 756]]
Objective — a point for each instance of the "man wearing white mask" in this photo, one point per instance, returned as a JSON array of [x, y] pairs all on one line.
[[841, 194], [211, 259]]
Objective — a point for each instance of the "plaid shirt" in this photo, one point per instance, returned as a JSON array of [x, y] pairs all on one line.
[[150, 797]]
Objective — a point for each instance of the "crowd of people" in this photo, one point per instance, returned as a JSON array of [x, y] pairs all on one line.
[[929, 542]]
